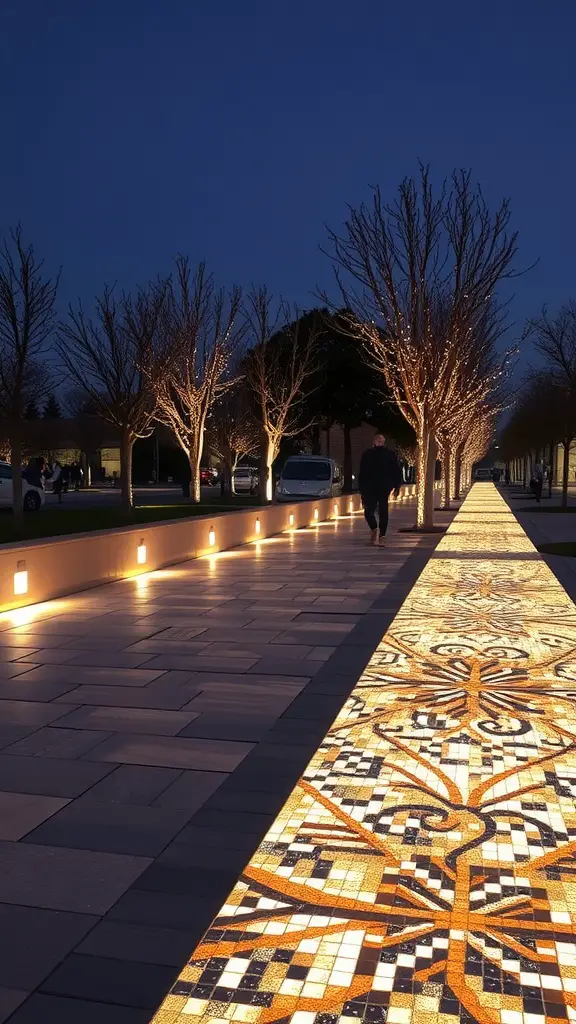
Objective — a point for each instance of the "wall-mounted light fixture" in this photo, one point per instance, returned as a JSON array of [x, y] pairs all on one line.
[[212, 537], [257, 527], [141, 553], [20, 579]]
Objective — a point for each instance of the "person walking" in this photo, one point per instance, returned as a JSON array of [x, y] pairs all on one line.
[[380, 474], [537, 481]]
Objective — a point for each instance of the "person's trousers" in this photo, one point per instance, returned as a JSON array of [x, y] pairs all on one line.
[[376, 505]]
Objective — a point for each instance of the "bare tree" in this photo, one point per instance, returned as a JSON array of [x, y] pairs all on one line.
[[233, 431], [27, 319], [555, 338], [111, 359], [202, 332], [280, 369], [418, 275]]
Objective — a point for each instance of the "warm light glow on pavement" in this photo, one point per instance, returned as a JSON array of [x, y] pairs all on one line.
[[423, 867]]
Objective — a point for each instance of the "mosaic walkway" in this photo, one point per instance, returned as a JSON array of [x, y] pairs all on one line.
[[422, 869]]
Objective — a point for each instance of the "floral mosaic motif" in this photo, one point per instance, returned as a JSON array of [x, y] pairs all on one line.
[[423, 868]]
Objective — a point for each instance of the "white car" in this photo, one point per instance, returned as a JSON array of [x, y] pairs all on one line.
[[32, 496], [245, 480]]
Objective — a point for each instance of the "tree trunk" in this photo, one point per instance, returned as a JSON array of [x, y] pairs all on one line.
[[551, 469], [430, 479], [425, 467], [457, 471], [265, 463], [316, 440], [227, 478], [126, 449], [16, 460], [446, 476], [347, 460], [565, 474]]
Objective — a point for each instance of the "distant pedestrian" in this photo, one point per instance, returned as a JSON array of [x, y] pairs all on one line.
[[380, 474], [75, 476], [57, 481], [537, 481]]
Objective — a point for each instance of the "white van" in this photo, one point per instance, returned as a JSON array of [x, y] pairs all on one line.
[[309, 476], [32, 496]]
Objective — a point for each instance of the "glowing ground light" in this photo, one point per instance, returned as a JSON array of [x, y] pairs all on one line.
[[316, 515], [291, 520], [212, 537], [141, 553], [257, 526], [335, 511], [20, 581], [422, 869]]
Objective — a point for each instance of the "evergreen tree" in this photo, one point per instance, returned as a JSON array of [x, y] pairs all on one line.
[[31, 411], [52, 409]]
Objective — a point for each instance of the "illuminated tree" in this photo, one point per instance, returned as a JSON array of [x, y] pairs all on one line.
[[111, 359], [202, 331], [27, 319], [418, 276], [477, 443], [233, 432], [280, 366]]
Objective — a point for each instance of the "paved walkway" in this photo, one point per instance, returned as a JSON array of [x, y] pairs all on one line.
[[422, 869], [150, 731]]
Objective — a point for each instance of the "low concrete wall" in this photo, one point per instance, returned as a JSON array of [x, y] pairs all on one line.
[[45, 569]]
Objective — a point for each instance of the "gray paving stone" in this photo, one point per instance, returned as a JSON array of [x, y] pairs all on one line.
[[49, 777], [22, 812], [21, 688], [10, 1000], [246, 728], [10, 734], [129, 720], [110, 981], [39, 941], [27, 712], [136, 785], [46, 1009], [11, 669], [93, 676], [115, 940], [12, 653], [165, 910], [200, 663], [111, 828], [57, 879], [191, 790], [63, 743], [110, 659], [169, 698], [172, 752]]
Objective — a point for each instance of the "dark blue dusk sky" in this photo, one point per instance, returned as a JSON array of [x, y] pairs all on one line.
[[233, 130]]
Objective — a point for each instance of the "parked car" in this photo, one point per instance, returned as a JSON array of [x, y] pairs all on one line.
[[245, 480], [32, 495], [208, 476], [309, 476], [482, 473]]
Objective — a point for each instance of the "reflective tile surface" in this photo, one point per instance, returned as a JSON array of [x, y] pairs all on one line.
[[422, 869]]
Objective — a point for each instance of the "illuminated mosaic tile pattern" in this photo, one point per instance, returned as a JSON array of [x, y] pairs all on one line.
[[422, 869]]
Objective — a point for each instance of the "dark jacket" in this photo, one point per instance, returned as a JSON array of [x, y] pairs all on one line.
[[380, 472]]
